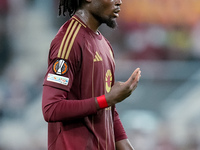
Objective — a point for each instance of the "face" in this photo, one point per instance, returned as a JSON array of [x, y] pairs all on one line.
[[106, 11]]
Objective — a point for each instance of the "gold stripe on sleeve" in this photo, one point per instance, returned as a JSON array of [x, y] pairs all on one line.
[[79, 21], [68, 38], [72, 41], [63, 41]]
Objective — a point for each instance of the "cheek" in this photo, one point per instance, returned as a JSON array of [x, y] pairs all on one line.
[[107, 9], [107, 4], [104, 8]]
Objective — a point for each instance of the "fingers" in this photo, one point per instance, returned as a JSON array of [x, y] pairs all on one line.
[[138, 76], [132, 82], [121, 90], [135, 75]]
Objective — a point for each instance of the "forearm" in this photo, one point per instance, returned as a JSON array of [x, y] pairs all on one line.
[[124, 145], [57, 109]]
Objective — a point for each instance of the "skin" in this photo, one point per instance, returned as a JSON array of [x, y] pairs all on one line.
[[94, 13]]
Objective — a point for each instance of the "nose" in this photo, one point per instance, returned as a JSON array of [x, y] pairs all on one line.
[[118, 2]]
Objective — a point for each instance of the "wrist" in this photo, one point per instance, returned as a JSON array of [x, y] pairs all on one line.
[[101, 100]]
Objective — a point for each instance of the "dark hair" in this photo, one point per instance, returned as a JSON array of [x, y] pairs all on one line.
[[69, 6]]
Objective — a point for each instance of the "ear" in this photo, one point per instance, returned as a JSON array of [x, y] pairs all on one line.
[[89, 1]]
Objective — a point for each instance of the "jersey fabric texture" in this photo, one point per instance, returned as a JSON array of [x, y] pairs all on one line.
[[81, 64]]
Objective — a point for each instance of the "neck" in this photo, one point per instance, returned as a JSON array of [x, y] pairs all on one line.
[[88, 19]]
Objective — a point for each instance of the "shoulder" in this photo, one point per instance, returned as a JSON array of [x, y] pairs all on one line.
[[70, 30], [70, 37]]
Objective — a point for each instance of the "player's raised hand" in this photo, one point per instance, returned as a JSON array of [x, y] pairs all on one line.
[[121, 90], [133, 79]]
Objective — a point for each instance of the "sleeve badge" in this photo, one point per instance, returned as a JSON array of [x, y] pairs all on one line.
[[60, 67]]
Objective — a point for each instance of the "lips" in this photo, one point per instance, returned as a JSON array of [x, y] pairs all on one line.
[[116, 12]]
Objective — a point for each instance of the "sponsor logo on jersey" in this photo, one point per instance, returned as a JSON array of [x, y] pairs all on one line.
[[60, 67], [97, 57], [108, 81], [57, 79]]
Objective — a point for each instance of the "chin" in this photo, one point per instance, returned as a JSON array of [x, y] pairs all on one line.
[[111, 23]]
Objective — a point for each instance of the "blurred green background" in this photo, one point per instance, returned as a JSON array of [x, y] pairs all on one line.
[[162, 37]]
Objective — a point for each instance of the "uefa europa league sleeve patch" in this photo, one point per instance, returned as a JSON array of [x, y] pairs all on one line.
[[60, 67]]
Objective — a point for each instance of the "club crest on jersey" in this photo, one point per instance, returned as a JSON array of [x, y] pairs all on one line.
[[108, 80], [60, 67]]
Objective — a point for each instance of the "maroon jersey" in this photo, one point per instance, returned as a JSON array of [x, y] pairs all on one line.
[[80, 68]]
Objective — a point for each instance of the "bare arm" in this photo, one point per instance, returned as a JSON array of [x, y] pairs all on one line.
[[124, 145]]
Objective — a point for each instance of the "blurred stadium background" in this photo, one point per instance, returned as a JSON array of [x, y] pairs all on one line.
[[162, 37]]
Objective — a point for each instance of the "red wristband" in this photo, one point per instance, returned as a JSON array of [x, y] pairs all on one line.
[[102, 101]]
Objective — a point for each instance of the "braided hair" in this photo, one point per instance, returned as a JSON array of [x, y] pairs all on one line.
[[69, 6]]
